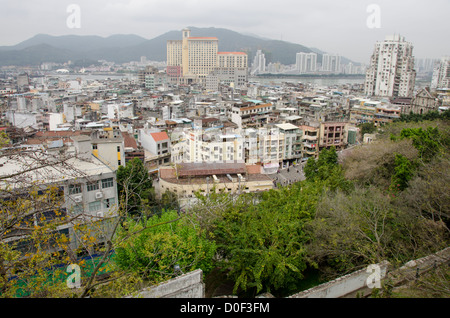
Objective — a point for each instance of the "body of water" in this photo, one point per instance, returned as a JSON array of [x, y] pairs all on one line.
[[316, 81]]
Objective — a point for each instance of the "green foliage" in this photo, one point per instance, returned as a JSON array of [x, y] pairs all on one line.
[[263, 244], [403, 172], [367, 128], [364, 227], [4, 139], [134, 186], [433, 115], [159, 243], [429, 142], [321, 168], [310, 169], [326, 168]]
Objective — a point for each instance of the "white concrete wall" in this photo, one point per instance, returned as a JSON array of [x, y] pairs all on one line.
[[343, 285], [188, 285]]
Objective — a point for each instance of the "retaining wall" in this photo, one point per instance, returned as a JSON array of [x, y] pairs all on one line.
[[189, 285], [344, 285]]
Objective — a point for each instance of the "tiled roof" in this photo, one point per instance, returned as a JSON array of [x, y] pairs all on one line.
[[159, 136], [129, 141], [208, 169]]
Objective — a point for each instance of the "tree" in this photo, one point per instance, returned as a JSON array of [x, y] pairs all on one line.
[[351, 231], [262, 244], [34, 224], [40, 235], [134, 186], [323, 166], [403, 172], [153, 246], [367, 128], [374, 163], [428, 142], [310, 169], [326, 168]]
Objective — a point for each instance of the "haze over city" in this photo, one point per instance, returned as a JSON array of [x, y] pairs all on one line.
[[339, 27]]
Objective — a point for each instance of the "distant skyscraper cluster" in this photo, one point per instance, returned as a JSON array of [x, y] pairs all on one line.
[[391, 72]]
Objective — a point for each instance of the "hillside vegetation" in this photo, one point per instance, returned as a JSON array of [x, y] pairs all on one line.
[[388, 200]]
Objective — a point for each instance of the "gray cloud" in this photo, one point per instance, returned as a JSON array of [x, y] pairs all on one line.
[[335, 26]]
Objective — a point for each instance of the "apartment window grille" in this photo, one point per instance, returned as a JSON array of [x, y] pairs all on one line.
[[75, 188], [107, 183], [92, 186]]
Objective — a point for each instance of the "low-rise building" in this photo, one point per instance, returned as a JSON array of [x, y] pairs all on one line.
[[423, 102], [386, 114], [86, 191], [333, 134], [188, 178], [251, 115], [310, 141], [292, 148]]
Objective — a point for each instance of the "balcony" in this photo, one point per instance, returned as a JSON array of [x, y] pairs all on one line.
[[308, 145], [308, 137]]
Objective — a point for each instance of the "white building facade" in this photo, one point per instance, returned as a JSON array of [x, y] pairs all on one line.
[[391, 72], [306, 62]]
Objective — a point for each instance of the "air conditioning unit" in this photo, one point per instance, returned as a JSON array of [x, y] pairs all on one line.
[[100, 214], [99, 195], [78, 199]]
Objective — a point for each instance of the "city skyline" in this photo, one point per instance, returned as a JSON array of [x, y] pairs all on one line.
[[349, 28]]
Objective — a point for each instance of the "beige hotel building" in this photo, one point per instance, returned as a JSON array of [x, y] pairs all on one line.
[[193, 58]]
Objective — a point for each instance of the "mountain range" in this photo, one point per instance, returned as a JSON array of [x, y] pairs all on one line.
[[124, 48]]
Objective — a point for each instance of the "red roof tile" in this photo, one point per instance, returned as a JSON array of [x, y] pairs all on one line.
[[159, 136], [129, 141]]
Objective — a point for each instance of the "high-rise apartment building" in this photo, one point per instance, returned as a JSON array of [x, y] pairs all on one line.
[[306, 62], [391, 72], [259, 63], [331, 63], [441, 74]]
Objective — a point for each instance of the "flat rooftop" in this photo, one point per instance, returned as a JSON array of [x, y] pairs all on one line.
[[22, 170], [209, 169]]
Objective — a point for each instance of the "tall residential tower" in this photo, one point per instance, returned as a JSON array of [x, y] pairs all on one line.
[[306, 62], [441, 74], [391, 72]]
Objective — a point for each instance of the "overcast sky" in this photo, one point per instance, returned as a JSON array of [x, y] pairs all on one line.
[[334, 26]]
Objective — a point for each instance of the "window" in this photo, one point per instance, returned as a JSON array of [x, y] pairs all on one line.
[[75, 188], [109, 202], [94, 206], [77, 209], [92, 186], [107, 183]]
